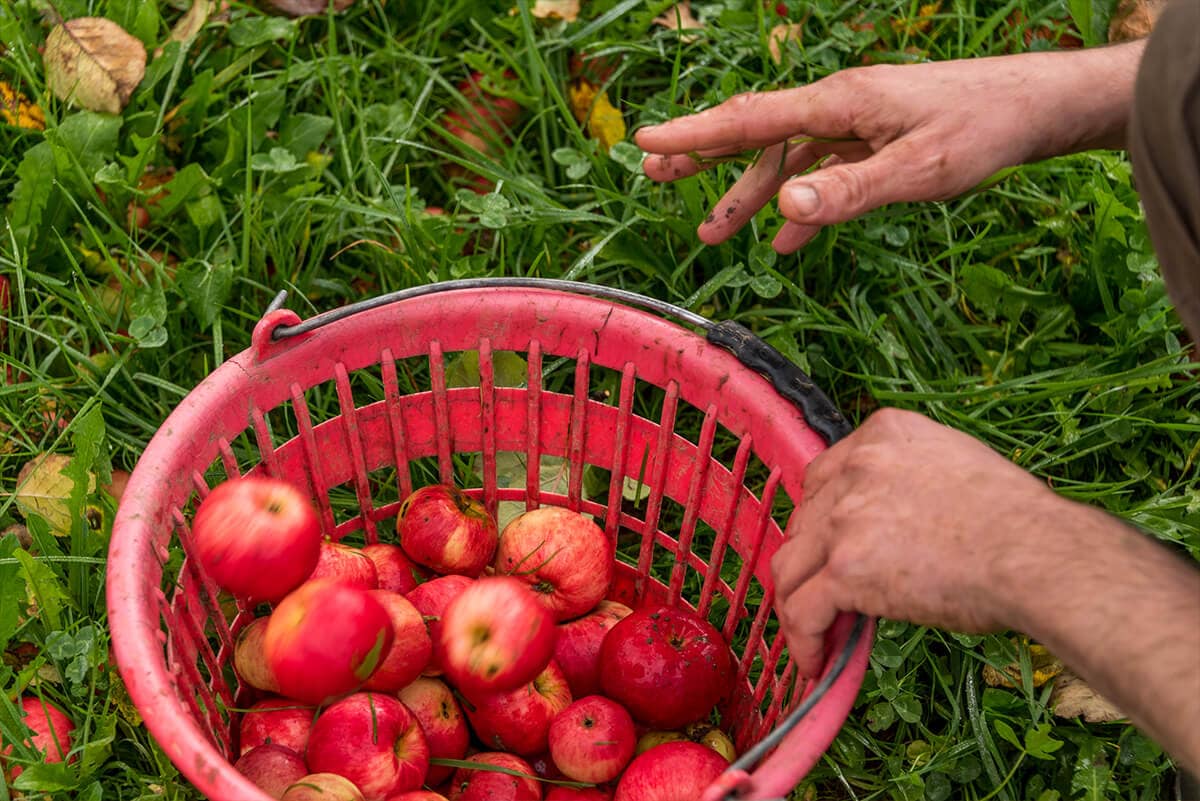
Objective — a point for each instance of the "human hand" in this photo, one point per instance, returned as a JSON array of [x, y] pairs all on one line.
[[890, 133], [910, 520]]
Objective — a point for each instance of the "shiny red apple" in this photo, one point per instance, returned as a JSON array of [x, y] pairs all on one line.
[[431, 600], [325, 639], [667, 666], [670, 772], [323, 787], [433, 704], [495, 637], [272, 768], [396, 571], [411, 646], [518, 721], [250, 660], [372, 740], [577, 650], [592, 740], [578, 794], [417, 795], [346, 565], [443, 528], [562, 555], [476, 784], [276, 721], [257, 537]]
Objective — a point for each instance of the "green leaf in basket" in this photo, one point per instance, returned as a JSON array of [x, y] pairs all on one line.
[[508, 368]]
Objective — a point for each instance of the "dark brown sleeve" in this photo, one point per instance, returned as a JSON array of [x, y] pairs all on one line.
[[1164, 143]]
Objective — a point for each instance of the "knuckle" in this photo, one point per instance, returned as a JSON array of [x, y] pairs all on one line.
[[855, 189]]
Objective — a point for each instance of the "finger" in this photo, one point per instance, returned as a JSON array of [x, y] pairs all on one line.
[[793, 236], [758, 184], [806, 614], [674, 167], [755, 120], [825, 466], [801, 557], [846, 191]]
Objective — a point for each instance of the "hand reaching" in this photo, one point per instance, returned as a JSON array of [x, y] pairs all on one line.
[[891, 133]]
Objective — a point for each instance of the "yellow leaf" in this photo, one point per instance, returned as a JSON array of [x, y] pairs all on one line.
[[593, 109], [92, 62], [1045, 667], [918, 24], [43, 489], [556, 9], [780, 35], [1073, 698], [1134, 19], [679, 18], [15, 109]]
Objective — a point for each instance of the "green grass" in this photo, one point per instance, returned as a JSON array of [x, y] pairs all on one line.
[[1031, 315]]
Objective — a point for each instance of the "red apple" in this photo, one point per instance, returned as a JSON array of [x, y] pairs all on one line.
[[396, 571], [51, 732], [272, 768], [325, 640], [581, 794], [431, 600], [346, 565], [417, 795], [442, 721], [495, 637], [478, 784], [577, 650], [670, 772], [372, 740], [443, 528], [250, 660], [661, 647], [323, 787], [411, 646], [518, 721], [257, 537], [592, 740], [276, 721], [562, 555]]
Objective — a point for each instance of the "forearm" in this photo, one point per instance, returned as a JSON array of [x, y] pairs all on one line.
[[1087, 96], [1119, 609]]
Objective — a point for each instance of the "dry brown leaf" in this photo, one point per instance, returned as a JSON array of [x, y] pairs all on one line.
[[306, 8], [92, 62], [15, 109], [593, 109], [780, 35], [1134, 19], [556, 9], [43, 489], [190, 24], [1073, 698], [680, 18], [1045, 667]]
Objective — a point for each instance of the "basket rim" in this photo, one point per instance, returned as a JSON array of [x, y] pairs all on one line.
[[134, 610]]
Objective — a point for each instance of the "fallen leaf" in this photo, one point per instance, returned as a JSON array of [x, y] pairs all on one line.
[[43, 489], [92, 62], [306, 8], [1134, 19], [911, 26], [190, 24], [16, 110], [556, 9], [1073, 698], [679, 18], [780, 35], [1045, 667], [592, 108]]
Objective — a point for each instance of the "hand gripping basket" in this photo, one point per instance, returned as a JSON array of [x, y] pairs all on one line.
[[704, 521]]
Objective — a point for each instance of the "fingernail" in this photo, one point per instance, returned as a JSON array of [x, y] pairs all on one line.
[[804, 199]]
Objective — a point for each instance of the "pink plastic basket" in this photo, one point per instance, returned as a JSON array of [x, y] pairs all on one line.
[[260, 412]]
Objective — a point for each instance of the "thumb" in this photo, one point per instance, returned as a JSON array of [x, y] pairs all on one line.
[[843, 191]]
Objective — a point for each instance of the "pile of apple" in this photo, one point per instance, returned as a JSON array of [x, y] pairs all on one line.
[[460, 664]]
